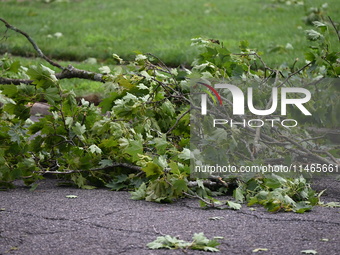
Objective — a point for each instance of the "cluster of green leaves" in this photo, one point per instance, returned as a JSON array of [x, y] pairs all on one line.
[[323, 58], [316, 14], [138, 123], [323, 54], [276, 193], [199, 242], [318, 76]]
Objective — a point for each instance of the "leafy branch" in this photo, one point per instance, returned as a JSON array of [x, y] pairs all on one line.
[[141, 135], [199, 242]]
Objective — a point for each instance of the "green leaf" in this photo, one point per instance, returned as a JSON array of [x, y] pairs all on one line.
[[52, 95], [34, 186], [160, 145], [122, 178], [139, 193], [151, 169], [180, 185], [233, 205], [200, 242], [81, 181], [79, 129], [272, 183], [15, 67], [157, 244], [202, 204], [104, 69], [200, 238], [42, 76], [168, 108], [135, 147], [244, 45], [185, 154], [95, 149], [174, 168], [313, 35], [302, 207], [320, 25], [120, 182], [168, 242], [238, 194], [200, 184], [159, 191], [105, 162], [10, 90]]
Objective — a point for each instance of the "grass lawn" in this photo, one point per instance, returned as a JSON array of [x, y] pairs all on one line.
[[162, 27]]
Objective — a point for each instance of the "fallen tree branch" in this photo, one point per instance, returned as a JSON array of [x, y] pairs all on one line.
[[177, 121], [68, 72], [309, 153], [14, 81], [35, 46], [71, 72], [137, 168]]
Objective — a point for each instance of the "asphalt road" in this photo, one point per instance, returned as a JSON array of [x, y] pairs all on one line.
[[100, 221]]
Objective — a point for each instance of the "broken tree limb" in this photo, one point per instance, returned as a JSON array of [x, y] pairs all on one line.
[[68, 72], [125, 165], [35, 46], [4, 80], [71, 72]]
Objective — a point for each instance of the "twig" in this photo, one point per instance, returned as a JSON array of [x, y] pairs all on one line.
[[244, 156], [335, 28], [35, 46], [313, 138], [256, 55], [162, 63], [328, 154], [292, 74], [178, 119], [208, 203], [308, 152], [156, 231], [257, 146], [248, 149], [219, 180]]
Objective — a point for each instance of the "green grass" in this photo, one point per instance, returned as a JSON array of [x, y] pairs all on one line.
[[162, 27]]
